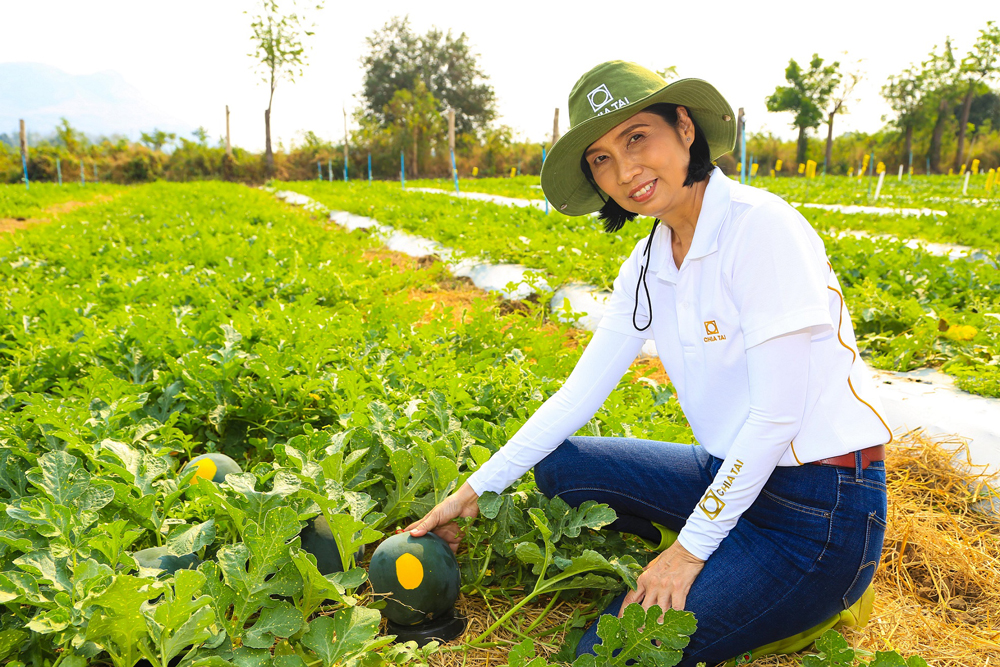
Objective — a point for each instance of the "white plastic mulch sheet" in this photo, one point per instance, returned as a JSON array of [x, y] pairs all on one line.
[[921, 399]]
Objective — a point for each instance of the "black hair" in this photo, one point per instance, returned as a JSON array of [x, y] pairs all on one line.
[[700, 166]]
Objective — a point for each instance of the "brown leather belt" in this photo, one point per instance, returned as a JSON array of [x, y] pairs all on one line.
[[868, 455]]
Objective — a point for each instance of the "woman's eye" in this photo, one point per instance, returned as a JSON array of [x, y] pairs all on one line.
[[634, 137], [599, 159]]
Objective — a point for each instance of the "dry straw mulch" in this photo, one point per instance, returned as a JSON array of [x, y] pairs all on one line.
[[937, 588]]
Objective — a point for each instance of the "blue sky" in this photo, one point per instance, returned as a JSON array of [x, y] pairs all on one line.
[[189, 59]]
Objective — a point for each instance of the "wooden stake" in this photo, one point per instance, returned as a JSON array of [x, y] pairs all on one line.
[[229, 146], [345, 144], [451, 129], [555, 127], [451, 145], [24, 152]]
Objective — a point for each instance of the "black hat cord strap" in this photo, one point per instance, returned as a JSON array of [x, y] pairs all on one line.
[[643, 271]]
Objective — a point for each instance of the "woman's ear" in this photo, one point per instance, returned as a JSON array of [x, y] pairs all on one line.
[[685, 126]]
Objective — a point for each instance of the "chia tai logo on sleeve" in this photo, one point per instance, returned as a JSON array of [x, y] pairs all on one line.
[[602, 101]]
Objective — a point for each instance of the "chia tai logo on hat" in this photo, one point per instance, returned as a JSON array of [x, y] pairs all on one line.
[[601, 97]]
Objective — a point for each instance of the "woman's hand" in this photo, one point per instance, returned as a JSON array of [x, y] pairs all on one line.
[[666, 580], [441, 519]]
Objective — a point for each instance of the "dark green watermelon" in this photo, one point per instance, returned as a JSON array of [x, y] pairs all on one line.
[[419, 575], [212, 466], [318, 539], [157, 557]]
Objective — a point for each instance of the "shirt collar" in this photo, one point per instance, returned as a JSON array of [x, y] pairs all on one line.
[[714, 209]]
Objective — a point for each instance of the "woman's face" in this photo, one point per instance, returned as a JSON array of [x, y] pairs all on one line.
[[642, 163]]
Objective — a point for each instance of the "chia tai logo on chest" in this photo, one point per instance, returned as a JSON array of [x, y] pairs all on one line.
[[712, 331]]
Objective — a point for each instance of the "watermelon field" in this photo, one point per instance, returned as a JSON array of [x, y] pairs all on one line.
[[355, 387]]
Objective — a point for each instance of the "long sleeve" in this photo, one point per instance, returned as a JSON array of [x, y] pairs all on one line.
[[778, 371], [595, 376]]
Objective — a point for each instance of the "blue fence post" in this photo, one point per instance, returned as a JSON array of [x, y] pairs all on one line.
[[369, 167], [928, 171], [319, 170], [454, 171], [59, 170], [96, 180], [402, 170], [743, 151], [750, 170], [543, 194], [345, 171], [329, 169], [83, 176]]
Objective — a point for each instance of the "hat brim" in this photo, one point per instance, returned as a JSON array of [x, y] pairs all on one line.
[[564, 183]]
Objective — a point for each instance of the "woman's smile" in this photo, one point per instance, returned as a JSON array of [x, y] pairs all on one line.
[[643, 192]]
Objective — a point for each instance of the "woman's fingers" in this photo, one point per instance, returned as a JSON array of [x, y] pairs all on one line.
[[632, 596]]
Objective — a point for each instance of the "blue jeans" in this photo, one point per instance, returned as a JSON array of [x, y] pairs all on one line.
[[806, 549]]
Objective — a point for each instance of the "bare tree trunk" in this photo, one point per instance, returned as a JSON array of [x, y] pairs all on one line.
[[800, 153], [963, 122], [415, 148], [268, 154], [829, 143], [937, 135], [908, 147]]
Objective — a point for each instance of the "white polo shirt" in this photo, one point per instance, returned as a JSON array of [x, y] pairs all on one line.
[[756, 269]]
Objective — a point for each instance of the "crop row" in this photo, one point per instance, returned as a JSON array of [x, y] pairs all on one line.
[[183, 319], [911, 308]]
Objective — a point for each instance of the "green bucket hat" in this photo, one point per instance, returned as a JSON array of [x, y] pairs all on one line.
[[608, 95]]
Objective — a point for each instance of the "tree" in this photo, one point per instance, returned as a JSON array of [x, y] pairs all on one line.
[[279, 53], [201, 134], [668, 73], [397, 58], [807, 96], [938, 75], [841, 93], [981, 64], [156, 140], [905, 94], [70, 137], [417, 119]]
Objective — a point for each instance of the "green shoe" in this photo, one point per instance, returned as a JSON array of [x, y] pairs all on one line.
[[667, 537], [857, 615]]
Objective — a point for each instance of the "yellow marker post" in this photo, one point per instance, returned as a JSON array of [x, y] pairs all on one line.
[[951, 172], [513, 172], [475, 171], [962, 170], [753, 169], [772, 173], [810, 169], [880, 168], [802, 168], [990, 179], [777, 165], [975, 166]]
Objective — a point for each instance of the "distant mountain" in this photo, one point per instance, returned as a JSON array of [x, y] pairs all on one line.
[[98, 104]]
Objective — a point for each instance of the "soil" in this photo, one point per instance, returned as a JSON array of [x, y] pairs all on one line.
[[52, 213]]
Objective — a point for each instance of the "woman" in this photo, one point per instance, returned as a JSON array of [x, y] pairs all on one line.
[[748, 318]]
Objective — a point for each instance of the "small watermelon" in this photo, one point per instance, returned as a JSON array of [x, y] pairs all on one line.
[[158, 558], [317, 539], [419, 575], [212, 466]]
